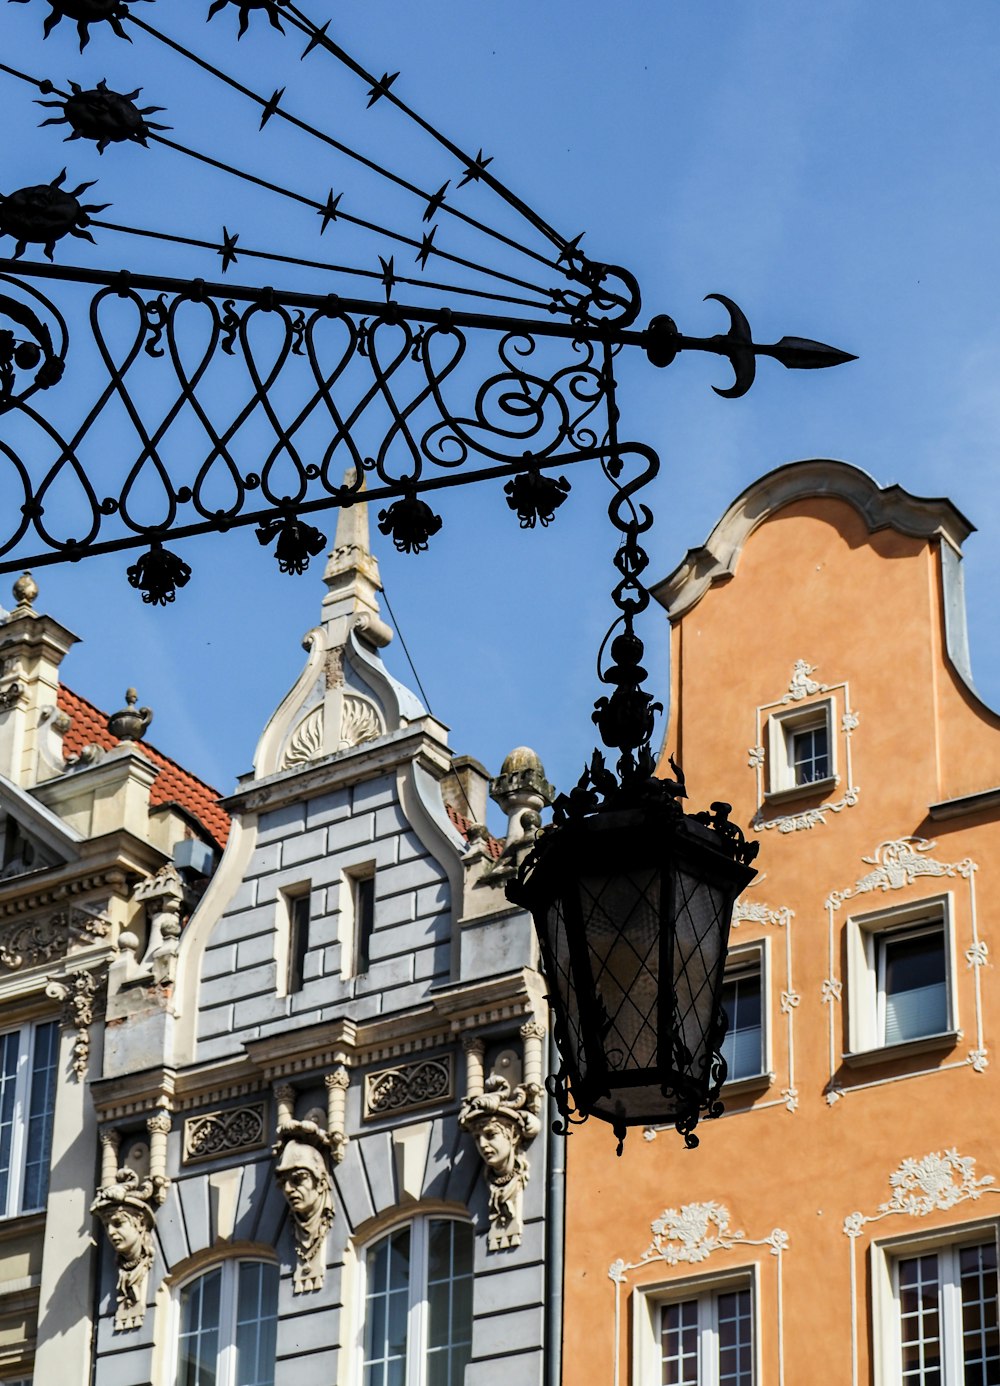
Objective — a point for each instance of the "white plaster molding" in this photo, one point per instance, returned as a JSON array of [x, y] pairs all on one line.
[[897, 864], [360, 721], [689, 1236], [281, 721], [223, 886], [936, 1182], [307, 739], [889, 507], [842, 717], [810, 818]]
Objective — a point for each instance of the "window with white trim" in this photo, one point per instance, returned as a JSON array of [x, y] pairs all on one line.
[[708, 1340], [418, 1305], [801, 748], [946, 1330], [743, 1001], [901, 976], [227, 1326], [28, 1069]]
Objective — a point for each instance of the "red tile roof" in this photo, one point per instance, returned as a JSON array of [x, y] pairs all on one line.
[[173, 785], [463, 824]]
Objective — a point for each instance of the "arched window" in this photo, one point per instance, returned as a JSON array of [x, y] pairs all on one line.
[[227, 1325], [418, 1305]]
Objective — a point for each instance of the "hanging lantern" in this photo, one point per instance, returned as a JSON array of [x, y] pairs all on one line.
[[632, 900], [632, 906]]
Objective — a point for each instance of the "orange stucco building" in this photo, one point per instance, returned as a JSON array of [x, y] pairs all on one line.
[[839, 1223]]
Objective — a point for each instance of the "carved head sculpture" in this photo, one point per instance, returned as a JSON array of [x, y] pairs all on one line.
[[301, 1171], [503, 1121], [126, 1209], [304, 1179]]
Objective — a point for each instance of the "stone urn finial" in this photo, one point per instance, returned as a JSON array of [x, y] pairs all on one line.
[[131, 722], [25, 590]]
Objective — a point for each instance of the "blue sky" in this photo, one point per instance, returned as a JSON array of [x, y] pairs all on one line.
[[833, 168]]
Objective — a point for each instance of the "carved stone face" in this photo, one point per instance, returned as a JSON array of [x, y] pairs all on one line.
[[494, 1141], [302, 1190], [125, 1233]]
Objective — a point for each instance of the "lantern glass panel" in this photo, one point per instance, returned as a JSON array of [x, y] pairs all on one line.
[[562, 977], [621, 920], [701, 928]]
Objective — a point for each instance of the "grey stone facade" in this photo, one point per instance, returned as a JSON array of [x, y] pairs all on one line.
[[288, 1030]]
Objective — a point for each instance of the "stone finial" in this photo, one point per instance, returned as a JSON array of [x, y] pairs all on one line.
[[130, 723], [127, 1208], [25, 591], [521, 785]]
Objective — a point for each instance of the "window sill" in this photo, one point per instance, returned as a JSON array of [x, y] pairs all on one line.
[[755, 1082], [888, 1052], [17, 1224], [801, 791]]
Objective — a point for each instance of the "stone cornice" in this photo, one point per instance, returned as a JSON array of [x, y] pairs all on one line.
[[505, 1000], [889, 507], [372, 758], [115, 766]]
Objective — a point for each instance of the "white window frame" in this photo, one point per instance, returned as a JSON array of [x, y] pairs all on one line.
[[747, 959], [866, 996], [226, 1360], [417, 1315], [27, 1032], [649, 1300], [884, 1258], [782, 728]]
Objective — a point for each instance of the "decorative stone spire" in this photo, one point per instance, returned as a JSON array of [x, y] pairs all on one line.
[[352, 579]]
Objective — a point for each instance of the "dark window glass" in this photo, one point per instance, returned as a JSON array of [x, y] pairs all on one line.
[[364, 920], [299, 910], [810, 754]]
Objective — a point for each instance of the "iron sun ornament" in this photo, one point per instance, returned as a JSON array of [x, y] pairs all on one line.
[[45, 213], [85, 12], [104, 116]]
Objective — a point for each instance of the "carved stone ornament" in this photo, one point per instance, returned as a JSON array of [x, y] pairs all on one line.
[[78, 993], [29, 942], [302, 1170], [408, 1085], [303, 1176], [359, 721], [503, 1121], [307, 740], [228, 1132], [127, 1208]]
